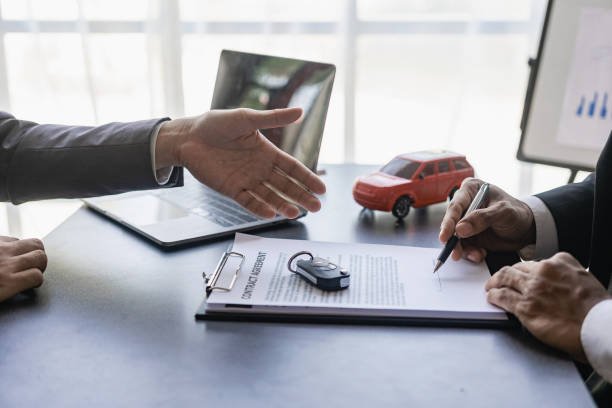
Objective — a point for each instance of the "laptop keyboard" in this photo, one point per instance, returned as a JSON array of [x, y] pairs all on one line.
[[209, 204]]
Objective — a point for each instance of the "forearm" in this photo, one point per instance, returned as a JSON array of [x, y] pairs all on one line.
[[50, 161]]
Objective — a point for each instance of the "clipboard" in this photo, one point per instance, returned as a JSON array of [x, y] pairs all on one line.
[[210, 284], [494, 261]]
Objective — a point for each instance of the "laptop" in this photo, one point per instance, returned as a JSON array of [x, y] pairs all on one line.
[[176, 216]]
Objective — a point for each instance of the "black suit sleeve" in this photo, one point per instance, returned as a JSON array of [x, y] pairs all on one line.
[[53, 161], [572, 209]]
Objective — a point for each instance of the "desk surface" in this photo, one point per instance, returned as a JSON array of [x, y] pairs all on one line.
[[113, 325]]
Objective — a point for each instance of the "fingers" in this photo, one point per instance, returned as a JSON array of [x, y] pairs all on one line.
[[507, 287], [457, 253], [267, 119], [22, 263], [34, 259], [509, 277], [20, 255], [251, 202], [471, 253], [300, 173], [461, 201], [474, 254], [276, 201], [24, 246], [505, 298], [477, 221], [279, 195], [30, 278], [295, 192]]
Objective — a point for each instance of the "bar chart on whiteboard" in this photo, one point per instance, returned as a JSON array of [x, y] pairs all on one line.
[[586, 115]]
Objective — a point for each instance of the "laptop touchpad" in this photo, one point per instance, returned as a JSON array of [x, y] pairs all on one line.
[[143, 210]]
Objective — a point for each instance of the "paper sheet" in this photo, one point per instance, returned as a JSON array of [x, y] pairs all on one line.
[[385, 280]]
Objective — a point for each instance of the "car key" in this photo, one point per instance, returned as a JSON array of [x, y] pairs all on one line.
[[320, 272]]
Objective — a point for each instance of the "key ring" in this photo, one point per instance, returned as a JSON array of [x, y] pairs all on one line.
[[295, 256]]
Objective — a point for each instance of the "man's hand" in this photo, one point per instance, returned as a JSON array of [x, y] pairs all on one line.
[[503, 224], [22, 263], [551, 298], [225, 150]]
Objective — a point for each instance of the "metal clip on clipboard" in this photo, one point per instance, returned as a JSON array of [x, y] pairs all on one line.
[[211, 284]]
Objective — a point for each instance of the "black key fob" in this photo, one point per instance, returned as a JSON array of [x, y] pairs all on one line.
[[320, 272]]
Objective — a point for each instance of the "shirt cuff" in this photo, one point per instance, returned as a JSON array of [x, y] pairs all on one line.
[[162, 175], [596, 339], [547, 242]]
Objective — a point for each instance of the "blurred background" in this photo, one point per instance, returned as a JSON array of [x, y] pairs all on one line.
[[412, 74]]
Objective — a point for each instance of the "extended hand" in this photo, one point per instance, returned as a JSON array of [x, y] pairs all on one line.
[[551, 298], [225, 150], [503, 224], [22, 263]]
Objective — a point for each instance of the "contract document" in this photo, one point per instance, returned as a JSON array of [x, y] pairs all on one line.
[[385, 282]]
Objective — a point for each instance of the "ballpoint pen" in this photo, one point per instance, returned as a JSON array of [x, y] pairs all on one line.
[[481, 195]]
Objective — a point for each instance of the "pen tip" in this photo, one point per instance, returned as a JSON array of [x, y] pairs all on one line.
[[438, 265]]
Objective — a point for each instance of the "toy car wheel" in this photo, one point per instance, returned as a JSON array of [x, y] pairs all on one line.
[[401, 207], [452, 193]]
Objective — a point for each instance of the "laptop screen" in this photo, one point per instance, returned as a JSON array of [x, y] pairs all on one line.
[[194, 212], [265, 82]]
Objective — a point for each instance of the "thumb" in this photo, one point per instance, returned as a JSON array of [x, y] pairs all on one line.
[[476, 222], [267, 119]]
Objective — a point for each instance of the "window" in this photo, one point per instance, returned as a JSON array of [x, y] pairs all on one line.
[[443, 167], [460, 164], [471, 64], [428, 170], [401, 168], [412, 74]]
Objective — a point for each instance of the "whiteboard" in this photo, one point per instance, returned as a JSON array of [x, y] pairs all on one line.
[[568, 109]]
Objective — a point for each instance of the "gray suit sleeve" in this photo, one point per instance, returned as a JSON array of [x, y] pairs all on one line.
[[55, 161]]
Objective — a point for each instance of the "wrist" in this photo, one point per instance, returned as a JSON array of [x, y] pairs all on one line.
[[171, 136]]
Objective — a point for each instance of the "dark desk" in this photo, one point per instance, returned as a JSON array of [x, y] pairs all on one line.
[[114, 325]]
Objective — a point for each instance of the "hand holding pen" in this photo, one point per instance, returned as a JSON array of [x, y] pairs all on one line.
[[477, 202], [503, 223]]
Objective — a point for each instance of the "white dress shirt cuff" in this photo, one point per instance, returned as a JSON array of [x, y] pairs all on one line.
[[547, 243], [162, 175], [596, 339]]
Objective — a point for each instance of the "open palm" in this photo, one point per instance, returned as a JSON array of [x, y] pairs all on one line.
[[226, 151]]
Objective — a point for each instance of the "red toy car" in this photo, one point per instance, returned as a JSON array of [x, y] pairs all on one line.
[[413, 180]]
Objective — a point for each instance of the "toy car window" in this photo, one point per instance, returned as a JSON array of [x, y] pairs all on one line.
[[443, 167], [428, 170], [460, 164], [400, 168]]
